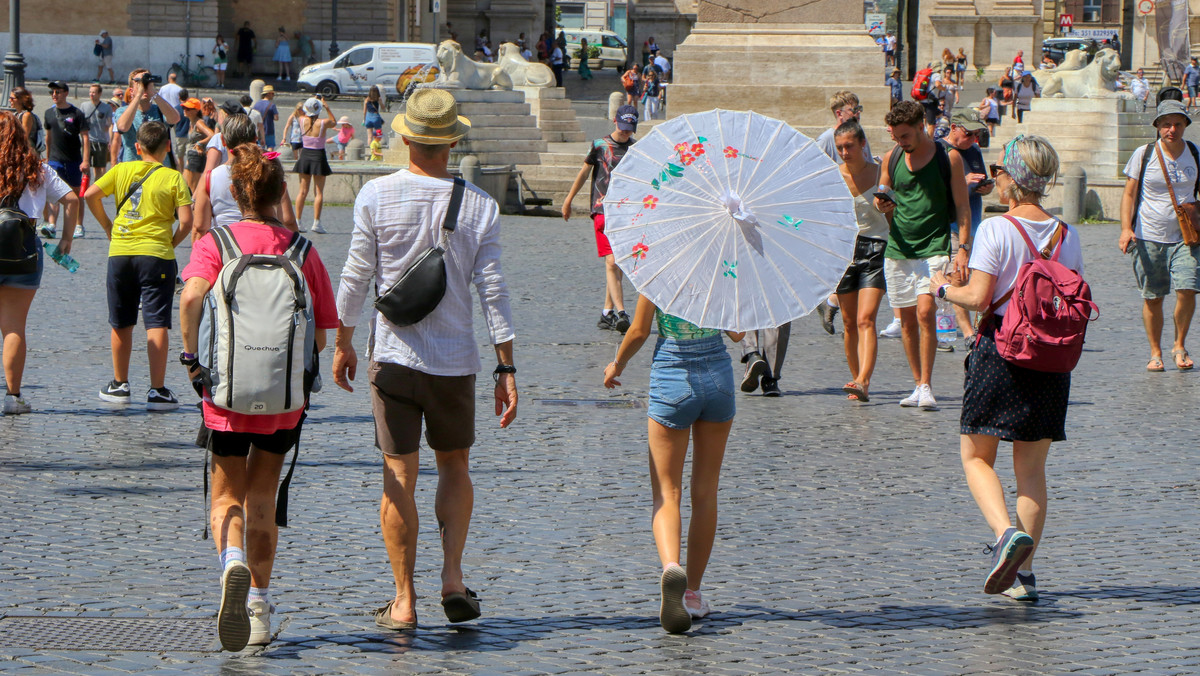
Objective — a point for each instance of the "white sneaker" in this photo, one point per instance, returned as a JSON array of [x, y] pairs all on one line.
[[913, 400], [16, 405], [316, 227], [233, 619], [48, 230], [927, 402], [699, 612], [80, 232], [260, 622], [891, 330]]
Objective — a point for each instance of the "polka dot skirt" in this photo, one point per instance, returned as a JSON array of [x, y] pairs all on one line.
[[1010, 402]]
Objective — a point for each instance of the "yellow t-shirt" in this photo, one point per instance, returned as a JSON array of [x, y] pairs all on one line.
[[144, 226]]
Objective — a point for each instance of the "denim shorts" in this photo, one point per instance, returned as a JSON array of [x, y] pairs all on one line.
[[30, 280], [691, 380], [1160, 267]]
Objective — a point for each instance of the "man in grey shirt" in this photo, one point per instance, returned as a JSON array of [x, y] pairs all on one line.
[[104, 58], [99, 116], [845, 107], [424, 372]]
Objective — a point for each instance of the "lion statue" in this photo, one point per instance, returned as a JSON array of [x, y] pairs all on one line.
[[1097, 80], [1075, 59], [460, 72], [523, 72]]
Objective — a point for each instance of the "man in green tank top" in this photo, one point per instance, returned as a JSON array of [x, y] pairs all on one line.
[[929, 193]]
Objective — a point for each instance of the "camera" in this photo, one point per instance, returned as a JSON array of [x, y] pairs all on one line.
[[319, 97], [147, 79]]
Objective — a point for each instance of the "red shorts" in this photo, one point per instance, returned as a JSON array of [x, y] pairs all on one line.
[[603, 248]]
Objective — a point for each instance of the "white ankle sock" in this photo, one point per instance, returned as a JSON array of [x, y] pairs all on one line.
[[606, 312], [232, 554], [259, 594]]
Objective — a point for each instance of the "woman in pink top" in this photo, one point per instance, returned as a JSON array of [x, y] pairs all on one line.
[[248, 450], [313, 165]]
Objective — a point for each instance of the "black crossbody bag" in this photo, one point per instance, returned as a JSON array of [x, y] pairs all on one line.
[[422, 286]]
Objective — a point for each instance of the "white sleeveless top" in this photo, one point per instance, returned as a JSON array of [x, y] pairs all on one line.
[[225, 210], [871, 223]]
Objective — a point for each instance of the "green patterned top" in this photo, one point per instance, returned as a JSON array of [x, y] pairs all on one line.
[[670, 326]]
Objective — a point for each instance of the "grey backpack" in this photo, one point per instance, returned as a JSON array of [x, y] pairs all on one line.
[[257, 332]]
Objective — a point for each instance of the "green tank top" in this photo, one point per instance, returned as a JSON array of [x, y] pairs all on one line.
[[921, 221], [670, 326]]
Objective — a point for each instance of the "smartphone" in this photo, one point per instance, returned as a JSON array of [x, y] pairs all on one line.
[[885, 197], [985, 183]]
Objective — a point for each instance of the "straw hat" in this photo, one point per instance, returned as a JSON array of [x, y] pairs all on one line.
[[431, 117]]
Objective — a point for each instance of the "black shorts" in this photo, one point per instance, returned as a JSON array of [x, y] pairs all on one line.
[[931, 110], [144, 280], [237, 444], [866, 270]]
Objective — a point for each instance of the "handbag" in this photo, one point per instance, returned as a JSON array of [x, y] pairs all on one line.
[[422, 286], [1188, 213]]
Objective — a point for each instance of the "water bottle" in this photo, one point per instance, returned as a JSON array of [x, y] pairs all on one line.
[[61, 258], [947, 325]]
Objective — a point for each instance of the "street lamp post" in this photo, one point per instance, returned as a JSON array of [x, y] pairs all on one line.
[[14, 63], [333, 45]]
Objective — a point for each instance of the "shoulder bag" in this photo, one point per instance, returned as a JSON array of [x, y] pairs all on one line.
[[1187, 213], [422, 286]]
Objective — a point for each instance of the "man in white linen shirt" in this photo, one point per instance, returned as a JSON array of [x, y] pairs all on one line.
[[426, 371]]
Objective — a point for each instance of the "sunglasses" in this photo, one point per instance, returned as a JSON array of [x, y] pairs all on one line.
[[996, 170]]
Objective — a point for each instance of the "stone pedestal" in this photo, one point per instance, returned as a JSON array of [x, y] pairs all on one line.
[[782, 61], [991, 33], [663, 20]]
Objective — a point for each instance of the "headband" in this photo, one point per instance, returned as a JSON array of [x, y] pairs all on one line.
[[1019, 172]]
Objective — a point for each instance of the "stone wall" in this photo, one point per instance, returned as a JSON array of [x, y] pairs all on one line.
[[779, 11]]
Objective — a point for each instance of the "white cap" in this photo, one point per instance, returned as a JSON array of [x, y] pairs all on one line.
[[102, 33]]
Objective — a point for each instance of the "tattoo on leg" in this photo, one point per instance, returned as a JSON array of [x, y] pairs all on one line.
[[442, 530]]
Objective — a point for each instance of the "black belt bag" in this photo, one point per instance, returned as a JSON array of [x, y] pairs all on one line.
[[422, 286]]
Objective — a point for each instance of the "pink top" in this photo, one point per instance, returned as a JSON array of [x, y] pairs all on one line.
[[345, 134], [314, 142], [259, 238]]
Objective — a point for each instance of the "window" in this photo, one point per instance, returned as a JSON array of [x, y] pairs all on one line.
[[612, 41], [358, 57], [1091, 11]]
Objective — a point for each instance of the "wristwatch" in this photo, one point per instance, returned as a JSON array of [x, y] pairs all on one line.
[[941, 291], [503, 368], [188, 359], [965, 247]]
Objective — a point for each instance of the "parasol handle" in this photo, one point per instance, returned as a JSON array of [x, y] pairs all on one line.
[[738, 211]]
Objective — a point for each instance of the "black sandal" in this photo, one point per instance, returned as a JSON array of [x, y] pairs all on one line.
[[461, 606]]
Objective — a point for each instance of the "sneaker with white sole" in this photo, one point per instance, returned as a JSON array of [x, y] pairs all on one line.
[[696, 606], [116, 392], [233, 619], [48, 231], [14, 405], [161, 399], [317, 228], [1024, 588], [926, 401], [672, 614], [260, 622], [913, 400], [892, 330], [80, 232]]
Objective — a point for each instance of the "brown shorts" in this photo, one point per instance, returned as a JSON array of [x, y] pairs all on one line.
[[401, 397]]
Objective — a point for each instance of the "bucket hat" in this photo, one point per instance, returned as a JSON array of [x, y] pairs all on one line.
[[1170, 107], [431, 117]]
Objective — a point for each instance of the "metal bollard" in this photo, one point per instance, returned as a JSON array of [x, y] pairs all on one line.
[[470, 169], [1075, 191]]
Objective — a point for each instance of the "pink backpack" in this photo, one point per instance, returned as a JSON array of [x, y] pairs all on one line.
[[1051, 306]]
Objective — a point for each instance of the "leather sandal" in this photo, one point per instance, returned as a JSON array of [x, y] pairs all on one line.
[[1182, 361], [855, 392], [461, 606], [383, 618], [1155, 365]]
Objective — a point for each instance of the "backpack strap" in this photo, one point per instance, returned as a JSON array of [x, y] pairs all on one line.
[[1056, 244], [208, 183], [456, 198], [1196, 159], [894, 162], [227, 244], [298, 249], [944, 167], [134, 188], [1137, 201]]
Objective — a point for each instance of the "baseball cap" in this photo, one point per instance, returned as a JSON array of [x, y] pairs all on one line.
[[58, 84], [627, 118], [193, 103], [312, 106], [232, 107], [968, 119]]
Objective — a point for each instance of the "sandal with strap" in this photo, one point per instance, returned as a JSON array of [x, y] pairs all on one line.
[[1182, 361], [856, 392], [1155, 365]]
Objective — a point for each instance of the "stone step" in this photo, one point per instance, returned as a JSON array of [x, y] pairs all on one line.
[[562, 159], [558, 115], [549, 173], [563, 136], [558, 125], [498, 133], [468, 109], [495, 158], [487, 96], [502, 146], [492, 120]]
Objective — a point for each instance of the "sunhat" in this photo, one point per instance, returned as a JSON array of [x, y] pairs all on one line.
[[1171, 107], [431, 117], [268, 89], [344, 120], [312, 106]]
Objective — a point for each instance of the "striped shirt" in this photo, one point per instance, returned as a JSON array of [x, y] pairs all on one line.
[[396, 218]]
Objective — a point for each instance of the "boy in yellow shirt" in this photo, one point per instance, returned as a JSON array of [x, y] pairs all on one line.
[[376, 147], [141, 258]]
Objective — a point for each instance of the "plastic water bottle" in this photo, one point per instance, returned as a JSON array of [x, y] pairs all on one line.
[[61, 258], [947, 325]]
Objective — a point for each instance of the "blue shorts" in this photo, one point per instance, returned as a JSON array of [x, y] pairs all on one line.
[[1192, 91], [1159, 267], [270, 141], [68, 172], [691, 380], [140, 282], [30, 280]]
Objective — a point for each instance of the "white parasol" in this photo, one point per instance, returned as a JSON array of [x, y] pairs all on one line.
[[730, 220]]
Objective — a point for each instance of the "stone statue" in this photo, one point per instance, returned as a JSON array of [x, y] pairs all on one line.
[[1075, 59], [460, 72], [1097, 80], [523, 72]]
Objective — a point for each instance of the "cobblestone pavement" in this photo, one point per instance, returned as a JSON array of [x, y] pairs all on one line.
[[848, 540]]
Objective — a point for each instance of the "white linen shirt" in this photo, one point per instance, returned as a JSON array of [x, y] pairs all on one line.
[[396, 218], [1155, 220]]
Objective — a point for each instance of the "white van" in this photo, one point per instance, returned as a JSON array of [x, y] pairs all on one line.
[[355, 70], [613, 50]]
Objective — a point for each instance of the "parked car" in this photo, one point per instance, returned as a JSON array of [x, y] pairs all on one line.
[[1057, 48], [613, 51], [355, 70]]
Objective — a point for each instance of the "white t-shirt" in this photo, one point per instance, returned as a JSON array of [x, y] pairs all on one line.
[[1155, 220], [999, 250], [52, 189], [219, 143], [828, 144], [170, 93], [662, 63]]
